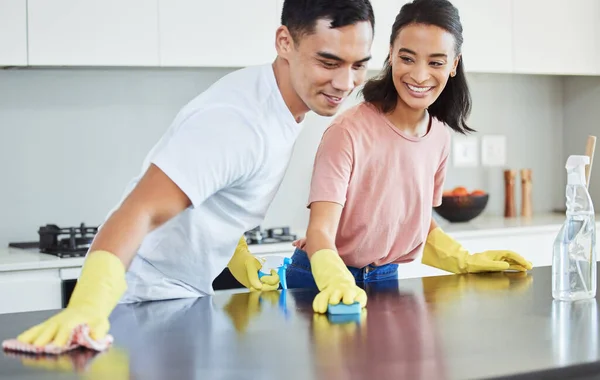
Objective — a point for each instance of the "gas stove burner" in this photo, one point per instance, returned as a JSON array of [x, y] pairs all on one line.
[[66, 242], [269, 236], [61, 242]]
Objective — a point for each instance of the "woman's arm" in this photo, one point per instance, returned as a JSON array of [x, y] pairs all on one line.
[[331, 175], [322, 226], [432, 225]]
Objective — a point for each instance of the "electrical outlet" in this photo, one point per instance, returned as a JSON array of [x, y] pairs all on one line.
[[465, 151], [493, 150]]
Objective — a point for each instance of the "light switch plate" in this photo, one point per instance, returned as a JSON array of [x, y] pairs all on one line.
[[465, 151], [493, 150]]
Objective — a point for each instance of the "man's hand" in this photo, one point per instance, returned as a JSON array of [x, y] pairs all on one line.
[[98, 290], [244, 267], [242, 307]]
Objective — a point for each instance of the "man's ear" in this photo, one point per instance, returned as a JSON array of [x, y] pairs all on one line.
[[284, 43]]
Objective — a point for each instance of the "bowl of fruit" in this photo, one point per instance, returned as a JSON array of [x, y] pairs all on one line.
[[461, 205]]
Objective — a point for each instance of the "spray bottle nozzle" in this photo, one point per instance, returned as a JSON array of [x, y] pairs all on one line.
[[575, 161], [576, 169]]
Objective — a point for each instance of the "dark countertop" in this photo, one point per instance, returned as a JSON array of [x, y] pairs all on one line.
[[501, 325]]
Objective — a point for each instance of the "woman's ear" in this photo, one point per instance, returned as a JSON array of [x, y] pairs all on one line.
[[455, 65]]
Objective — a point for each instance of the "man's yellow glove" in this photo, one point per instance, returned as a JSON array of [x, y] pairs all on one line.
[[242, 307], [98, 290], [244, 267], [89, 365], [334, 280], [443, 252]]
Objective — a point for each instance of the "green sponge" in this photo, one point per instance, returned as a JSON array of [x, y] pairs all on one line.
[[342, 308]]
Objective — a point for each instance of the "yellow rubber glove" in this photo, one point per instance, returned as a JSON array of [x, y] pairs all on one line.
[[334, 280], [243, 307], [443, 252], [445, 289], [244, 267], [88, 364], [98, 290]]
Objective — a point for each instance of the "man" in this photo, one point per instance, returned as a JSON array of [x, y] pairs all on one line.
[[214, 173]]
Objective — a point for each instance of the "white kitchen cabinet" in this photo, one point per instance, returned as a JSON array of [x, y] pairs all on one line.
[[30, 290], [385, 14], [226, 33], [556, 37], [533, 246], [13, 32], [417, 269], [487, 34], [93, 32]]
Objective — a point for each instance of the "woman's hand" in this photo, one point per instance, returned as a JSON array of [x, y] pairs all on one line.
[[300, 243]]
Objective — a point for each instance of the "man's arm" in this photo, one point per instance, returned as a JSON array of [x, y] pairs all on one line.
[[197, 161], [155, 200]]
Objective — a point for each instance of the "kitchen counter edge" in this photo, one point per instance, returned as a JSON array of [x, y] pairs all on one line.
[[14, 259]]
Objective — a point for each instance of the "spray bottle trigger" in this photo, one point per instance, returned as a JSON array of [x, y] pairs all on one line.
[[281, 269]]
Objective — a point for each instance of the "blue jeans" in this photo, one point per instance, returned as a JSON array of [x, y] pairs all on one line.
[[298, 274]]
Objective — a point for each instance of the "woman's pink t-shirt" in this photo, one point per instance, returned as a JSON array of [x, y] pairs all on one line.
[[387, 182]]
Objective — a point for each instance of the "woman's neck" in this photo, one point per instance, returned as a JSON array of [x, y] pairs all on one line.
[[409, 120]]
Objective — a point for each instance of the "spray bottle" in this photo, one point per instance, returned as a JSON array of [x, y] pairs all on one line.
[[277, 262], [574, 257]]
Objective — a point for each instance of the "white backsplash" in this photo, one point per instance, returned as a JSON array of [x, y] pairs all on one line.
[[71, 139]]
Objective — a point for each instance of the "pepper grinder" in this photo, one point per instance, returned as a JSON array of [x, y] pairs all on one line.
[[526, 183], [510, 207]]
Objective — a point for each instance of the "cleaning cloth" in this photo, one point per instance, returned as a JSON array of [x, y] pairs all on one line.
[[80, 337]]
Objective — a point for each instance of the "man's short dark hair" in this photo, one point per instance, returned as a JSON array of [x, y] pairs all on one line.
[[301, 16]]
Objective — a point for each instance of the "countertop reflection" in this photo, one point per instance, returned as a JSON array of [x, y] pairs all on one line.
[[446, 327]]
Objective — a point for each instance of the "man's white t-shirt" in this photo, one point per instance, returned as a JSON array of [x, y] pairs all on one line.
[[228, 150]]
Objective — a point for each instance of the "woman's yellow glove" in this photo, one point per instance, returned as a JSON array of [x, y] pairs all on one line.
[[244, 267], [443, 252], [334, 280], [98, 290]]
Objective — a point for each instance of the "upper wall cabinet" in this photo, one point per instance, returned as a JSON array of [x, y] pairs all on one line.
[[93, 33], [13, 32], [217, 33], [385, 14], [487, 35], [556, 37]]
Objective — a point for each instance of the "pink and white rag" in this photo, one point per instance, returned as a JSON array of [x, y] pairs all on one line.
[[80, 337]]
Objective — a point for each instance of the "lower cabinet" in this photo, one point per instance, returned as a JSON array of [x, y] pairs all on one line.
[[30, 290], [533, 244]]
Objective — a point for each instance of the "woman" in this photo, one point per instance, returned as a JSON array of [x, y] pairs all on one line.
[[381, 166]]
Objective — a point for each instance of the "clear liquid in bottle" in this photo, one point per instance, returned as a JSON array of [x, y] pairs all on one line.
[[574, 256]]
